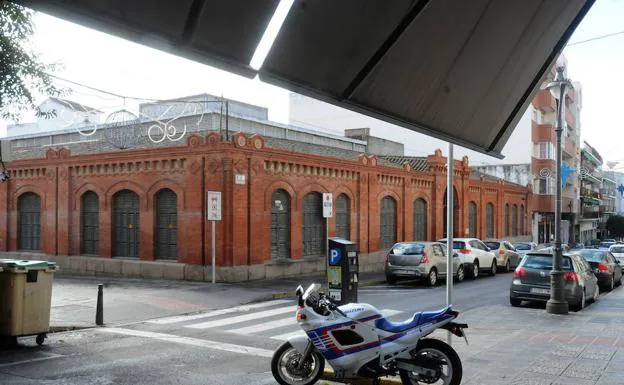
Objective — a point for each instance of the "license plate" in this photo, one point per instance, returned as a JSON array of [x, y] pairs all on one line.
[[540, 291], [406, 272]]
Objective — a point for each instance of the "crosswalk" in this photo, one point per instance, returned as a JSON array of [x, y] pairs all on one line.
[[271, 319]]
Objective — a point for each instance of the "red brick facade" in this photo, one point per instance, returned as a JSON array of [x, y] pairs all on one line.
[[244, 234]]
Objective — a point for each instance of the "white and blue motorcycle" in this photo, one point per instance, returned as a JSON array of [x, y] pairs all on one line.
[[359, 342]]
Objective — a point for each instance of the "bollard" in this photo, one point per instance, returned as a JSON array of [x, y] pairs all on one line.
[[99, 311]]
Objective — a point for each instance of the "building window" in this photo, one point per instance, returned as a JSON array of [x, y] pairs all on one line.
[[545, 150], [545, 186], [507, 224]]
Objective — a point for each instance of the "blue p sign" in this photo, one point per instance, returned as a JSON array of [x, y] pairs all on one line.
[[334, 257]]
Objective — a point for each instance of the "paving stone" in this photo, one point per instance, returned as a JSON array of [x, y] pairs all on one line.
[[582, 372], [572, 381]]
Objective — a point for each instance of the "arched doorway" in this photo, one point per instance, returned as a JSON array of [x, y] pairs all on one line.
[[514, 220], [90, 224], [343, 216], [472, 220], [313, 225], [388, 219], [456, 229], [489, 223], [507, 220], [420, 220], [166, 202], [280, 224], [29, 226], [126, 234]]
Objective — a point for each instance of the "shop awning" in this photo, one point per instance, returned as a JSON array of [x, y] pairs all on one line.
[[462, 71]]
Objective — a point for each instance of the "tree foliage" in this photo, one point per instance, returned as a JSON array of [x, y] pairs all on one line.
[[615, 225], [22, 74]]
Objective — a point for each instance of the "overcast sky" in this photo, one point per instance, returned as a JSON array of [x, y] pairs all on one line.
[[126, 68]]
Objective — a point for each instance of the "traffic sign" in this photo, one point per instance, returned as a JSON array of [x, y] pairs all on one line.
[[327, 205], [214, 205]]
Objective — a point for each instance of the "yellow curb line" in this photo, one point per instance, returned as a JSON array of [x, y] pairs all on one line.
[[328, 374]]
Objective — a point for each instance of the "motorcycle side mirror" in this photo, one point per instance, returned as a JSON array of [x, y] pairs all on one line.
[[299, 291]]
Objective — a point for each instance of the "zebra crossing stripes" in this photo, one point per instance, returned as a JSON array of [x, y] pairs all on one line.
[[243, 318]]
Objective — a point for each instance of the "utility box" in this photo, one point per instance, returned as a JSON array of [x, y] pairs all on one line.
[[343, 270]]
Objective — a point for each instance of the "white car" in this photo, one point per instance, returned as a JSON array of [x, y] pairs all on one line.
[[474, 255], [618, 253]]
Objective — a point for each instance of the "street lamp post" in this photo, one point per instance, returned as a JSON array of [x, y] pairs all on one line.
[[557, 303]]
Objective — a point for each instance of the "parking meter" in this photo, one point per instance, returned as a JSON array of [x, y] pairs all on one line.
[[342, 270]]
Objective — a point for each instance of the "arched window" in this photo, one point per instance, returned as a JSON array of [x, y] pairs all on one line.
[[507, 220], [489, 224], [420, 220], [472, 219], [29, 222], [343, 216], [280, 224], [522, 214], [387, 222], [90, 223], [313, 225], [126, 233], [166, 202], [514, 221]]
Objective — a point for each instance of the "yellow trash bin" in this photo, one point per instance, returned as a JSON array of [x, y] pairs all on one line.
[[25, 298]]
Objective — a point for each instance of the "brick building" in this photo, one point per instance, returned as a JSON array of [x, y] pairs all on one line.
[[142, 211]]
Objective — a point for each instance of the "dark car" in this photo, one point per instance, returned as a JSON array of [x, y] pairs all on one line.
[[531, 280], [605, 266]]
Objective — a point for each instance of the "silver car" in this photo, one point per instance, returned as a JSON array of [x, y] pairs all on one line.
[[420, 260]]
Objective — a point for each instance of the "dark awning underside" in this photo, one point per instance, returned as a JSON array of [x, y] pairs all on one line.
[[462, 71]]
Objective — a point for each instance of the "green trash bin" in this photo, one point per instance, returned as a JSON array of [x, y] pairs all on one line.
[[25, 298]]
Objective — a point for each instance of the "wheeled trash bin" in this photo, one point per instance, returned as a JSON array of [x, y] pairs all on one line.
[[25, 298]]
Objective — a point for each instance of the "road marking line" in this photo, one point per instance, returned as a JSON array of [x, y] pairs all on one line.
[[285, 336], [265, 326], [243, 318], [192, 317], [216, 345], [47, 357]]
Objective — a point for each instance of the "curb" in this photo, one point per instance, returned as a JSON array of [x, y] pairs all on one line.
[[288, 294], [328, 375]]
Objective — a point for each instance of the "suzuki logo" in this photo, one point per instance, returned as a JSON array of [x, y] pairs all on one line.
[[542, 274]]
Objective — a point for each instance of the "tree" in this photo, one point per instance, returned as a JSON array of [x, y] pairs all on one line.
[[615, 225], [22, 74]]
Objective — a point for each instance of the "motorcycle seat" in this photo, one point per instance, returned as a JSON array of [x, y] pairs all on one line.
[[419, 318]]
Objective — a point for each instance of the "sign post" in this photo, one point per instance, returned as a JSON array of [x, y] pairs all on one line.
[[327, 213], [213, 215]]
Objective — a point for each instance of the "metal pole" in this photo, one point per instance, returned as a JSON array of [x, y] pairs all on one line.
[[450, 201], [214, 254], [99, 309], [557, 303], [327, 253], [227, 120]]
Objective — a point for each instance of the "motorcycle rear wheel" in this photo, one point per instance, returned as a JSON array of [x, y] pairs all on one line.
[[285, 369], [450, 365]]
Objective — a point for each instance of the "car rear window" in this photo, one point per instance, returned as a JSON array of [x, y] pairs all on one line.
[[544, 262], [619, 249], [492, 245], [457, 245], [522, 246], [407, 249], [593, 255]]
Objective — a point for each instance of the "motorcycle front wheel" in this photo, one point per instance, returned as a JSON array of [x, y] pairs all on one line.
[[447, 363], [287, 371]]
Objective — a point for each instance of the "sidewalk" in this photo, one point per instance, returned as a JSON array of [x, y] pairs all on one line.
[[132, 300], [522, 346]]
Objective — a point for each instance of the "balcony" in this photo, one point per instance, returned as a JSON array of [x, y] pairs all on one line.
[[569, 148], [544, 101], [544, 203], [591, 157], [591, 178], [591, 215], [569, 117], [607, 209], [608, 192], [542, 132]]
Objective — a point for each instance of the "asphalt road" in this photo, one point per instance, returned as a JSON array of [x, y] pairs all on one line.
[[229, 346]]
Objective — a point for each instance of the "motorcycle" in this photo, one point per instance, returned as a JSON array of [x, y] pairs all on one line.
[[359, 342]]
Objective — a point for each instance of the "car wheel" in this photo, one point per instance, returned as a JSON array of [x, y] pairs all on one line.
[[507, 267], [515, 302], [596, 293], [391, 280], [493, 268], [475, 269], [581, 303], [433, 277], [611, 283], [460, 273]]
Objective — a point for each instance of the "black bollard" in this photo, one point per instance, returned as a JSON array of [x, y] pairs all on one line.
[[99, 312]]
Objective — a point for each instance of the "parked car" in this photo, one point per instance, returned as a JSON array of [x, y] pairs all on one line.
[[474, 255], [420, 260], [618, 252], [551, 249], [531, 280], [606, 244], [610, 240], [507, 256], [605, 266]]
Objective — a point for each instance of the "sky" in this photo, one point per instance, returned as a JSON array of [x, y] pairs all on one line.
[[126, 68]]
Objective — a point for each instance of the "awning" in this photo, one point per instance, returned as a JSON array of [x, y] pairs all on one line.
[[462, 71]]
